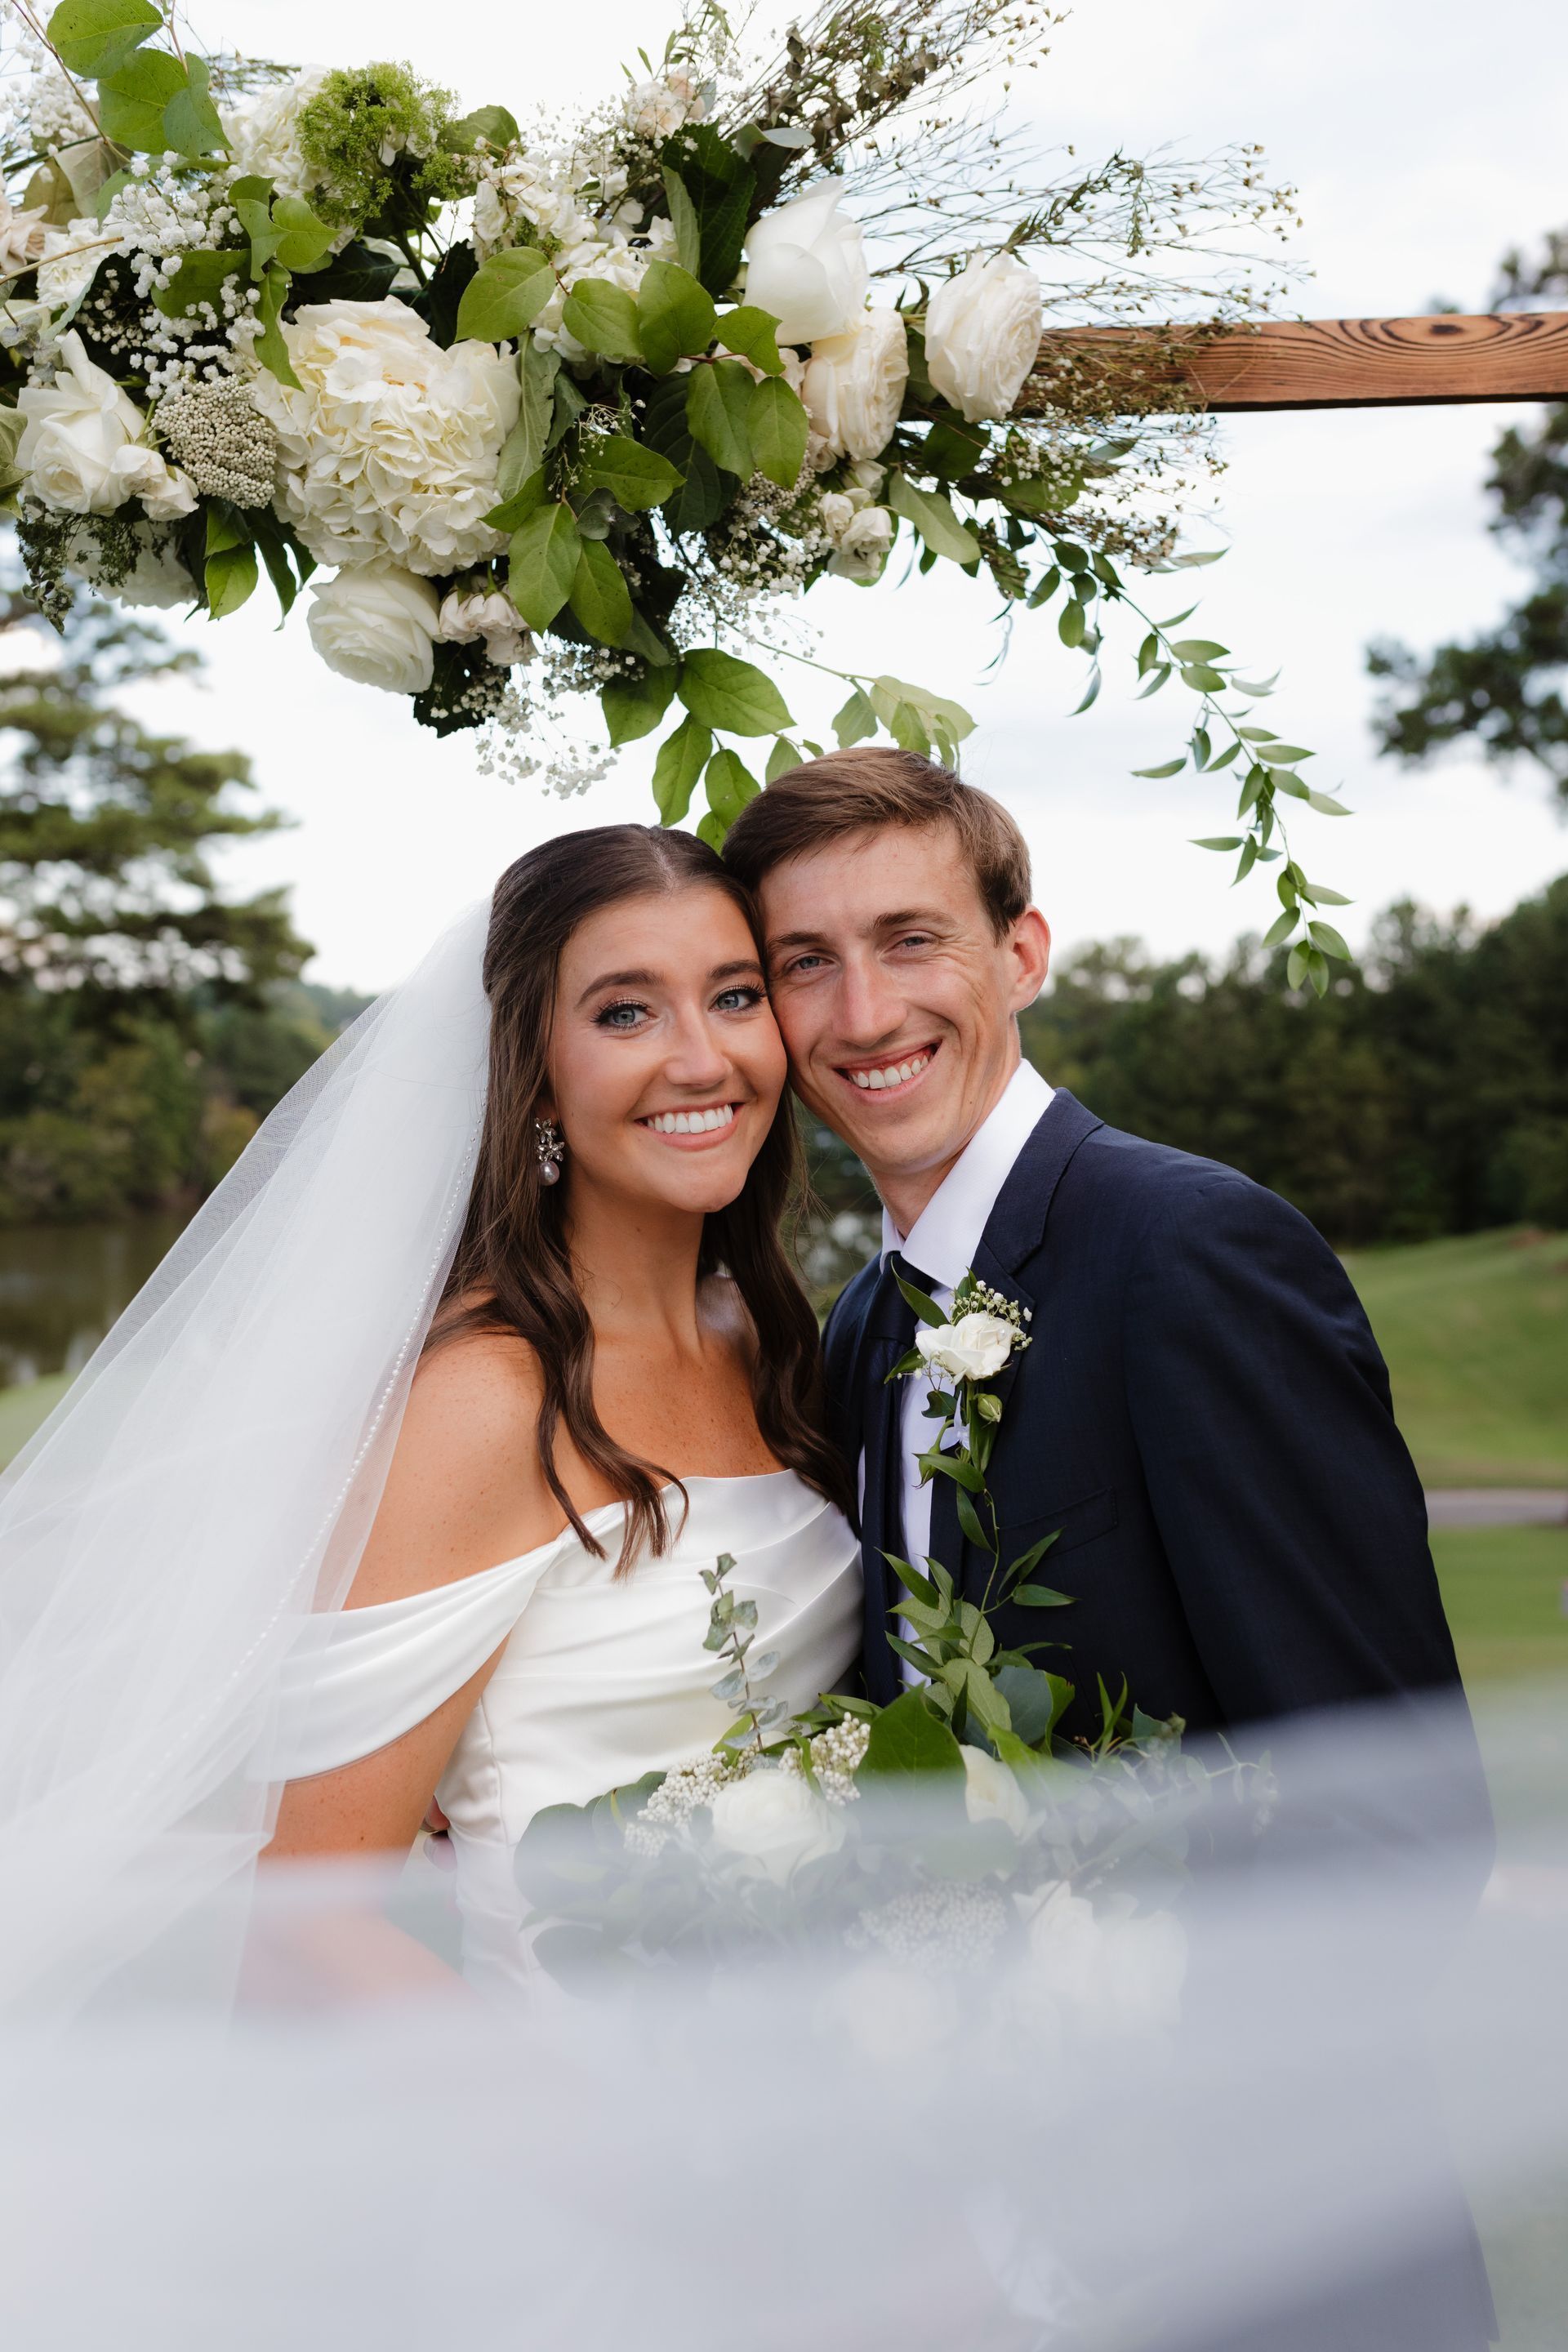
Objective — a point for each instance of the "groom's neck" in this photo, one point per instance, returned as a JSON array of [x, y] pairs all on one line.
[[906, 1189]]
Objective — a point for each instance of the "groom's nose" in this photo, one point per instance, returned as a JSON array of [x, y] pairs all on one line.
[[867, 1005]]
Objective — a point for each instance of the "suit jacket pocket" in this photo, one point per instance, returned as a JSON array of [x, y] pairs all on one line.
[[1072, 1523]]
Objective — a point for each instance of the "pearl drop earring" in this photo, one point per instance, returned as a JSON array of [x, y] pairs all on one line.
[[549, 1150]]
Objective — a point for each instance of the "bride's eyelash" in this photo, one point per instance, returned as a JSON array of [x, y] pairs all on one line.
[[621, 1004]]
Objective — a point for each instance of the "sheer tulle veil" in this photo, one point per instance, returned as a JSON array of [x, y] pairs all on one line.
[[210, 1479]]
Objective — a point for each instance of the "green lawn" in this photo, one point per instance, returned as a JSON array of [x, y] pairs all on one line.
[[1476, 1334], [1503, 1587], [21, 1411]]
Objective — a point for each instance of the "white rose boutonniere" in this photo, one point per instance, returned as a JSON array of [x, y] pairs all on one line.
[[975, 1347], [982, 335]]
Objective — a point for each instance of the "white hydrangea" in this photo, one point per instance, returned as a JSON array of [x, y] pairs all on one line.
[[264, 133], [390, 446]]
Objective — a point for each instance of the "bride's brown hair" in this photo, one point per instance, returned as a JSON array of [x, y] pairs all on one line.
[[513, 1259]]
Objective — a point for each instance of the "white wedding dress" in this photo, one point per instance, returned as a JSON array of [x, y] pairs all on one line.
[[602, 1679]]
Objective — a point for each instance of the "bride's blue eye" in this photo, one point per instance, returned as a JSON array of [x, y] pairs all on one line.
[[738, 1000], [610, 1015]]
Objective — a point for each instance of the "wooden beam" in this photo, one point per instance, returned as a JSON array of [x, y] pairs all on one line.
[[1308, 364]]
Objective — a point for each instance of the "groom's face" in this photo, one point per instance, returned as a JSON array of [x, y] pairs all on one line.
[[896, 1000]]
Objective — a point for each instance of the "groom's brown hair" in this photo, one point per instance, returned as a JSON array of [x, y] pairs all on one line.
[[862, 789]]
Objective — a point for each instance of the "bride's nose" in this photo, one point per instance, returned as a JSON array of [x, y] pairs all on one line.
[[698, 1056]]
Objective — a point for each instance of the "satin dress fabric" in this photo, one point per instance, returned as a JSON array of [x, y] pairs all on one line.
[[601, 1679]]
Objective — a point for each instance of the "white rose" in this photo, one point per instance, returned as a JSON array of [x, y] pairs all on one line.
[[467, 614], [264, 136], [24, 239], [377, 626], [389, 448], [991, 1792], [975, 1347], [1121, 1968], [164, 491], [775, 1821], [863, 545], [81, 446], [983, 333], [854, 387], [805, 264]]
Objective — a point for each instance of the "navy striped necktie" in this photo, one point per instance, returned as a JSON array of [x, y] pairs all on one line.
[[890, 1334]]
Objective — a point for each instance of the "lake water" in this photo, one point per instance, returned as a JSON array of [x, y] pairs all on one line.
[[61, 1286]]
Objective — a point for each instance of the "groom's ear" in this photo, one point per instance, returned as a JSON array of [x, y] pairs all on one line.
[[1028, 948]]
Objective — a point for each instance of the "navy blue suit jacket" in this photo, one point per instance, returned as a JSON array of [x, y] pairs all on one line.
[[1206, 1417]]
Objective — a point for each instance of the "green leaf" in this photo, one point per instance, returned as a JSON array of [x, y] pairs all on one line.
[[925, 1308], [1325, 936], [955, 1466], [1296, 967], [683, 220], [1202, 678], [1091, 692], [599, 596], [719, 185], [523, 451], [1198, 649], [969, 1521], [731, 695], [303, 239], [271, 348], [1326, 804], [505, 295], [231, 568], [634, 706], [752, 334], [855, 721], [911, 1736], [1071, 623], [718, 408], [729, 784], [778, 426], [544, 568], [525, 500], [1040, 1596], [1285, 755], [566, 405], [636, 476], [1034, 1699], [1219, 841], [199, 278], [494, 124], [1166, 768], [948, 721], [932, 517], [781, 760], [713, 830], [603, 318], [682, 756], [1157, 679], [1223, 759], [676, 318], [93, 37], [191, 124], [133, 96], [1280, 929]]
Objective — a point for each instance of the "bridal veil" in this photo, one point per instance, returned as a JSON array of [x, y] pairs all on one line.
[[209, 1481]]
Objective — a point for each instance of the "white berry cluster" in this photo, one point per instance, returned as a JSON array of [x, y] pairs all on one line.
[[935, 1930], [678, 1795], [220, 437], [836, 1755]]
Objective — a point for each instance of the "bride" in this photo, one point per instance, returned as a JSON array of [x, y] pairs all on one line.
[[395, 1482]]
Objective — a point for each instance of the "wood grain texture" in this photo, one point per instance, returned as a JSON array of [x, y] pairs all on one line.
[[1309, 363]]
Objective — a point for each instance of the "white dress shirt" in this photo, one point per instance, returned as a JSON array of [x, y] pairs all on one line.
[[942, 1242]]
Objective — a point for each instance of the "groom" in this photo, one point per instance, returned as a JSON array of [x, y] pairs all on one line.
[[1203, 1413]]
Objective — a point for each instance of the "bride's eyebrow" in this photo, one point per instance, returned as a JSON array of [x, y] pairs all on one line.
[[741, 964]]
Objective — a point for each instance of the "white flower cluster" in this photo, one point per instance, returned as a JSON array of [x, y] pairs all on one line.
[[836, 1756], [681, 1793], [389, 448], [219, 436], [860, 531], [934, 1930], [572, 197], [264, 133]]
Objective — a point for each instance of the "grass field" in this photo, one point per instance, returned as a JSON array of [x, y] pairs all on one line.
[[1476, 1334], [1503, 1592]]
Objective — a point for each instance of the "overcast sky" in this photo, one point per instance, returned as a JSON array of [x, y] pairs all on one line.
[[1424, 137]]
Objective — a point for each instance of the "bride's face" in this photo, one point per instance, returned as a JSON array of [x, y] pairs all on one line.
[[666, 1062]]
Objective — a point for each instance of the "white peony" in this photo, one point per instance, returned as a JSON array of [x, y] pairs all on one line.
[[81, 447], [264, 134], [805, 264], [775, 1821], [854, 385], [470, 612], [975, 1347], [376, 624], [991, 1792], [983, 335], [390, 448]]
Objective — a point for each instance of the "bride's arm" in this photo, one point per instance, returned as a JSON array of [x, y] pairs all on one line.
[[463, 1494]]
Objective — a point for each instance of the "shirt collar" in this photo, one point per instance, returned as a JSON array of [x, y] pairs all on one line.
[[945, 1236]]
